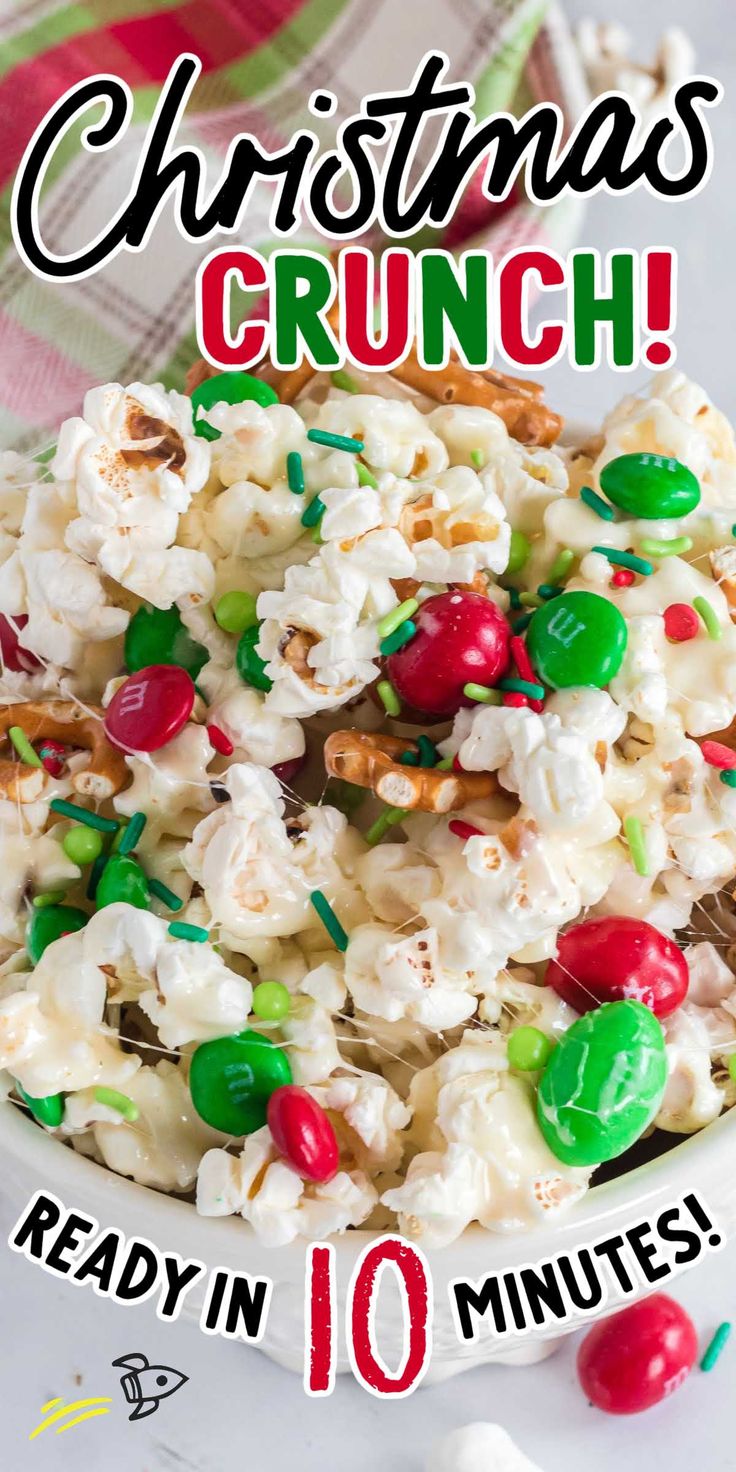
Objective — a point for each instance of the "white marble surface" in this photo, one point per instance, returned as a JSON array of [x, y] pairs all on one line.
[[238, 1410]]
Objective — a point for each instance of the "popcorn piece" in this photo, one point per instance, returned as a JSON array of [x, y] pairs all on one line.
[[395, 976], [270, 1195], [163, 1147]]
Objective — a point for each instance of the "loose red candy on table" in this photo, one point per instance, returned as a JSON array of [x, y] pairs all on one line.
[[151, 708], [303, 1133], [634, 1359], [616, 958], [14, 656], [461, 638]]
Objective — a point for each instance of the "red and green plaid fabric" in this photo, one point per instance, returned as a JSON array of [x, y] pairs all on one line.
[[260, 61]]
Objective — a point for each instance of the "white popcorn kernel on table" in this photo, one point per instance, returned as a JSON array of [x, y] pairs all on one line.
[[172, 781], [605, 49], [49, 1052], [310, 1039], [258, 733], [277, 1203], [163, 1146], [479, 1447], [374, 1114], [456, 527], [551, 768]]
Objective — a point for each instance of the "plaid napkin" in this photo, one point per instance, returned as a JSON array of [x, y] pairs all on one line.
[[260, 61]]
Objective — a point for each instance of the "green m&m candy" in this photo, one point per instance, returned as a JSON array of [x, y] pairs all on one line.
[[577, 639], [650, 486], [48, 924], [123, 882], [158, 636], [48, 1111], [232, 1079], [603, 1084], [251, 668], [228, 388]]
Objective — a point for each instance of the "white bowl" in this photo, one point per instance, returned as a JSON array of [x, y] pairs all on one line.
[[31, 1158]]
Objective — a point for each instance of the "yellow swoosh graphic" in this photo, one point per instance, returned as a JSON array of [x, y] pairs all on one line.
[[75, 1405], [85, 1416]]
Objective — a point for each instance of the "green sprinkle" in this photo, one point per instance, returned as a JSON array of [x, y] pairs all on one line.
[[520, 624], [181, 931], [133, 831], [95, 875], [637, 846], [388, 698], [316, 538], [477, 458], [549, 590], [445, 765], [387, 820], [530, 600], [165, 895], [329, 919], [81, 815], [335, 441], [665, 547], [366, 476], [519, 550], [295, 472], [120, 1102], [482, 693], [597, 504], [315, 510], [342, 380], [523, 687], [561, 565], [733, 530], [515, 597], [23, 747], [54, 897], [399, 638], [716, 1346], [391, 621], [708, 615], [728, 778], [732, 1067], [427, 751], [409, 759], [625, 559]]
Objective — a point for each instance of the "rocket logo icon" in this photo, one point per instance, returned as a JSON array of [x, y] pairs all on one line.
[[145, 1385]]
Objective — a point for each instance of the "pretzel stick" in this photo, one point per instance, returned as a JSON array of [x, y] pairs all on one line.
[[371, 759], [515, 400], [73, 725]]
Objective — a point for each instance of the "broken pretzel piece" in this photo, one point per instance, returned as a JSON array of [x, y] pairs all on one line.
[[371, 759], [73, 725]]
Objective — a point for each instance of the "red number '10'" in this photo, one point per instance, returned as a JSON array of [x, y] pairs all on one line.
[[368, 1366]]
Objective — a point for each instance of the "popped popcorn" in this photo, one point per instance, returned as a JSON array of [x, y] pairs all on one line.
[[299, 934]]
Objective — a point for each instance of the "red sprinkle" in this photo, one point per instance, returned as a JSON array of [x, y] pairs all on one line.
[[464, 830], [220, 741], [457, 765], [681, 622], [520, 656], [718, 755], [623, 578]]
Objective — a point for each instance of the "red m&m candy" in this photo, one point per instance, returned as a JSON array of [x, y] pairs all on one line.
[[303, 1133], [151, 708], [14, 656], [615, 959], [460, 639], [288, 770], [637, 1357]]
